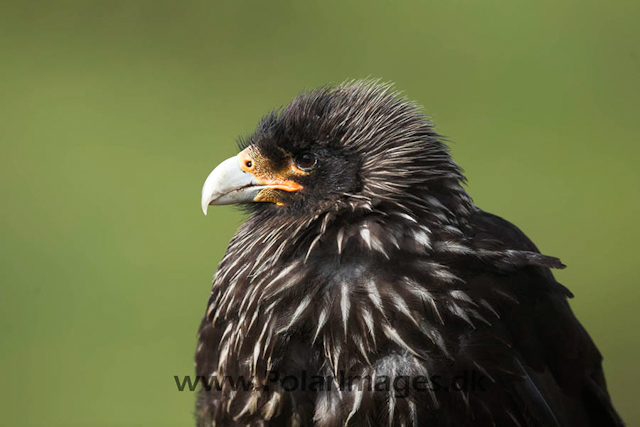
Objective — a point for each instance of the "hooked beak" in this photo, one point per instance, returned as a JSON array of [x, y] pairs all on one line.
[[229, 184], [240, 179]]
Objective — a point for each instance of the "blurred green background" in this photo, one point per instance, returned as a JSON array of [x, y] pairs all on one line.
[[112, 113]]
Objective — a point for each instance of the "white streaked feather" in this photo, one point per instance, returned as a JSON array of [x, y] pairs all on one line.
[[368, 320], [357, 401], [374, 295], [461, 313], [422, 238], [489, 307], [393, 335], [345, 304], [451, 247], [365, 233], [296, 314], [322, 320], [340, 238], [462, 296], [270, 408]]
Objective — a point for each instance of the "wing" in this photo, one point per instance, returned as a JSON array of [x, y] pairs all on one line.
[[452, 303], [561, 381]]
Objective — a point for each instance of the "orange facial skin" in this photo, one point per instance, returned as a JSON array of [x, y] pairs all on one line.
[[252, 162]]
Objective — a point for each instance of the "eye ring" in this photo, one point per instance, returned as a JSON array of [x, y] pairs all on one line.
[[306, 161]]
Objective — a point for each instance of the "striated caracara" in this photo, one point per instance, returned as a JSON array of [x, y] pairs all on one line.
[[367, 289]]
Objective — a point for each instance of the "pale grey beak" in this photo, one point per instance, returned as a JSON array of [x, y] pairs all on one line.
[[229, 184]]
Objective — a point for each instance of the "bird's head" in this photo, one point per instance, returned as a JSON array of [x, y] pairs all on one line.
[[355, 145]]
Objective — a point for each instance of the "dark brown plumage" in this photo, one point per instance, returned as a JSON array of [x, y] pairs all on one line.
[[367, 259]]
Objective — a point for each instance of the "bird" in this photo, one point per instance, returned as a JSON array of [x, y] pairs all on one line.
[[366, 288]]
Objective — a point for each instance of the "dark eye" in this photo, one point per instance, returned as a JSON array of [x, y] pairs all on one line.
[[306, 161]]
